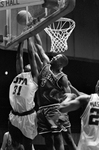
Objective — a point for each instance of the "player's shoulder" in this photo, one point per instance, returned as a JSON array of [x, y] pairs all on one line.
[[94, 95], [64, 76], [45, 68], [64, 79]]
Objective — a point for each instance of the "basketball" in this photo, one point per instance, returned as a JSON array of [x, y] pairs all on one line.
[[23, 16]]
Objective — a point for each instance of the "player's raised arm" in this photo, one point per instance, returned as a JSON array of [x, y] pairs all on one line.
[[44, 58], [31, 55], [19, 58], [37, 39], [38, 43]]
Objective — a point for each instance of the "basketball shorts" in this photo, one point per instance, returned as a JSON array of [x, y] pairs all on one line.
[[27, 124], [50, 119]]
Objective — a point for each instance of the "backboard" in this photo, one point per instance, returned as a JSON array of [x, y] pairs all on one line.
[[8, 24], [14, 30]]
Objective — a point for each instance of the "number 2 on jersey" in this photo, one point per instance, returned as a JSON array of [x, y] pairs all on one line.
[[17, 89], [94, 116]]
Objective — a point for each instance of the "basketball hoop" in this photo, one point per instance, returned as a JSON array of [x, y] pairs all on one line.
[[59, 32]]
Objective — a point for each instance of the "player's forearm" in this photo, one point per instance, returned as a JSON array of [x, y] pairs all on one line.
[[42, 54], [19, 64], [68, 106], [37, 39], [39, 62]]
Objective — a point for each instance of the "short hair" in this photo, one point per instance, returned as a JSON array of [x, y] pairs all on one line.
[[64, 60]]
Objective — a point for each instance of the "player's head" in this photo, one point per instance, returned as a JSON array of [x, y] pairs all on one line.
[[27, 68], [22, 17], [97, 87], [59, 61]]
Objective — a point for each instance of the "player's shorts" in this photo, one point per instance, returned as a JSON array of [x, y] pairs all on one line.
[[50, 119], [26, 123]]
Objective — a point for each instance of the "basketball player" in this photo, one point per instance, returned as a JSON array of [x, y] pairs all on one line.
[[89, 137], [53, 84], [22, 118], [7, 143]]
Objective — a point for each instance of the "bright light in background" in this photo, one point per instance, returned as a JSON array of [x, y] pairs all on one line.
[[6, 72]]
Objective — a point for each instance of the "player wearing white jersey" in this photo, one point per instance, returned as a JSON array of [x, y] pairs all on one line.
[[89, 137], [22, 92], [22, 118]]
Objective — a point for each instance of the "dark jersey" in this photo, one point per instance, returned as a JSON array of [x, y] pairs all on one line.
[[50, 92]]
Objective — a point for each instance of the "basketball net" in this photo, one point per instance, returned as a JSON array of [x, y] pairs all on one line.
[[59, 32]]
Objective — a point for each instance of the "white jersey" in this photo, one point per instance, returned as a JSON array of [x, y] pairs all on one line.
[[21, 95], [89, 138]]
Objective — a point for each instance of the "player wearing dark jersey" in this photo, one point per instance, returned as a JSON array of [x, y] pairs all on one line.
[[52, 89], [51, 94]]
